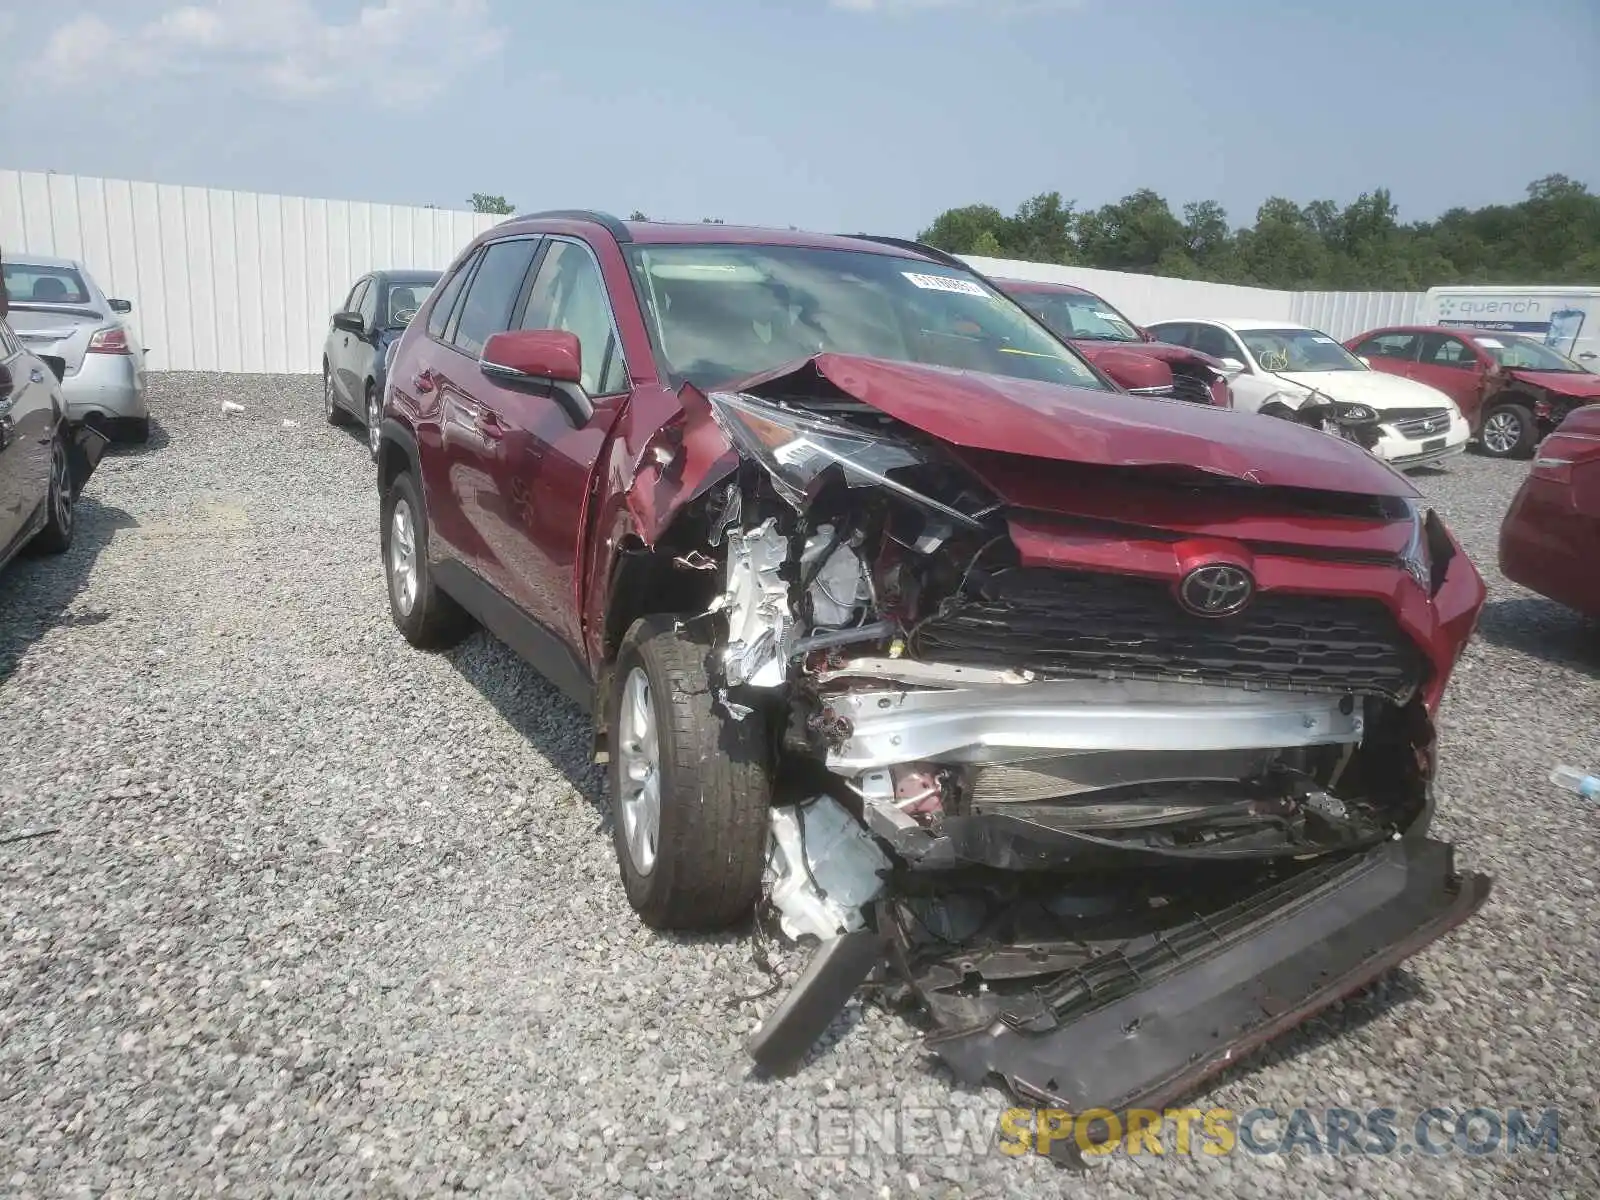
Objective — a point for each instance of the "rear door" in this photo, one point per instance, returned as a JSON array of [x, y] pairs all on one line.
[[469, 474], [1455, 367]]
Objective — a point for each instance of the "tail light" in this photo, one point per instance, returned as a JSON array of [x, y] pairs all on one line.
[[110, 341]]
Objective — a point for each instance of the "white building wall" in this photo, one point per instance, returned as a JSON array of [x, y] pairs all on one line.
[[236, 281], [219, 280]]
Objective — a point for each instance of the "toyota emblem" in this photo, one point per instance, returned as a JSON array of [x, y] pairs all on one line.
[[1217, 590]]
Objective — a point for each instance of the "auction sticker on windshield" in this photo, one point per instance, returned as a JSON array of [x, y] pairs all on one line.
[[943, 283]]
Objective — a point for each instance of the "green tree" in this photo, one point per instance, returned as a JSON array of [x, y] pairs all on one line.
[[482, 202], [959, 229]]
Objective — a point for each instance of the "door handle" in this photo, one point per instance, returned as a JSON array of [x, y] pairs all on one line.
[[422, 381]]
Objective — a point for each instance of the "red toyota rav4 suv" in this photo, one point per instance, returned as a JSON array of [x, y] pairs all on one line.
[[1103, 716]]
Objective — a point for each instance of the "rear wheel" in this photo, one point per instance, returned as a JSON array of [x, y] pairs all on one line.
[[60, 519], [429, 619], [690, 789], [1509, 431], [330, 403]]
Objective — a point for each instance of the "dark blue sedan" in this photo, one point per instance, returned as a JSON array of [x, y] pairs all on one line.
[[375, 313]]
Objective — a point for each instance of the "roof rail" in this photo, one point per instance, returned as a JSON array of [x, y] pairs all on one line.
[[613, 226], [922, 248]]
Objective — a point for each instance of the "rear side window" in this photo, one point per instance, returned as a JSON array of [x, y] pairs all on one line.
[[1390, 345], [486, 309], [1175, 335], [439, 315], [352, 302]]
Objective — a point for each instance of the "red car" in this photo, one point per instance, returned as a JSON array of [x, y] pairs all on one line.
[[1121, 349], [1512, 389], [1107, 720], [1550, 538]]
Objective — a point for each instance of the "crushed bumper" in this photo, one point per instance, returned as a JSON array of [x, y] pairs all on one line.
[[1143, 1025]]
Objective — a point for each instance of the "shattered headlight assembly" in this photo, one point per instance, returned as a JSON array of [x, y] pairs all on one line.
[[1354, 414], [1416, 558], [796, 448]]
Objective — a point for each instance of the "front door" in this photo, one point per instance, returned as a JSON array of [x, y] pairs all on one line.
[[27, 425], [346, 346], [543, 463]]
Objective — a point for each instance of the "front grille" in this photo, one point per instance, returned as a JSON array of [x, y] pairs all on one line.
[[1192, 388], [1065, 623], [1432, 422]]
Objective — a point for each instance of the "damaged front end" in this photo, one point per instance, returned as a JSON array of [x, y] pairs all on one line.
[[1120, 769]]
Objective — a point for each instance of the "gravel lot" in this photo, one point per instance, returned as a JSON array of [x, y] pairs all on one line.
[[328, 915]]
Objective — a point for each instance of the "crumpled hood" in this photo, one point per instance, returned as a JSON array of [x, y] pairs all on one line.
[[1069, 424], [1375, 389], [1583, 387]]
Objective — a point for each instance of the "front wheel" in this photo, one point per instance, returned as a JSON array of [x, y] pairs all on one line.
[[60, 519], [374, 420], [1509, 431], [690, 787]]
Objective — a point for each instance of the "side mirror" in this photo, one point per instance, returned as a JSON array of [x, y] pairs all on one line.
[[121, 306], [541, 361], [1232, 367], [350, 322]]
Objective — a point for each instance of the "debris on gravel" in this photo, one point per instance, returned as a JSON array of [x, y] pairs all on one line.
[[324, 915]]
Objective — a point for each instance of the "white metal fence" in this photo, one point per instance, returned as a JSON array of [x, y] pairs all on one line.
[[240, 281]]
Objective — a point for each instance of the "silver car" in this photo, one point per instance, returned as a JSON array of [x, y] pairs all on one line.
[[60, 313]]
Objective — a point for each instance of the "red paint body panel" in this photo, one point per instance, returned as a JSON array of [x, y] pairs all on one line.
[[1550, 538]]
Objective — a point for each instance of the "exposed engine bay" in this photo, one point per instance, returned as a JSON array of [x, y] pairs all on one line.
[[1034, 786]]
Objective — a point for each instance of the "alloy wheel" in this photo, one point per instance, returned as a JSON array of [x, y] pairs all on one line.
[[639, 750], [403, 558], [1502, 431], [60, 487], [374, 420], [328, 405]]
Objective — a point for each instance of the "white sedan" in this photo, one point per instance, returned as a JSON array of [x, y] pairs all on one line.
[[1286, 369]]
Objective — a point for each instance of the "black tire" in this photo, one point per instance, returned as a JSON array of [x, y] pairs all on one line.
[[330, 400], [372, 418], [1523, 429], [714, 786], [433, 621], [60, 517]]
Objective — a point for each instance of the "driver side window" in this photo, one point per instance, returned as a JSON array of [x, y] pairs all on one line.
[[569, 293], [1218, 343], [368, 305]]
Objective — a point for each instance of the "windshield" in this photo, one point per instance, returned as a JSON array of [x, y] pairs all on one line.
[[721, 312], [1079, 315], [1297, 350], [1526, 354], [404, 300], [27, 283]]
